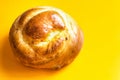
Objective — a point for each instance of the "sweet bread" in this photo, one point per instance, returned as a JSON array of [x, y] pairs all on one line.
[[45, 37]]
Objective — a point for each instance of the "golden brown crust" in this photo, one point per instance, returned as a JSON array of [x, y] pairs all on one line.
[[24, 15], [37, 27], [45, 37]]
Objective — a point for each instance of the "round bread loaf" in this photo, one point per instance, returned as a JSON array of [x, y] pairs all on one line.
[[45, 37]]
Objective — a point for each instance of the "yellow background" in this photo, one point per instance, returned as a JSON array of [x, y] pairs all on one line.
[[99, 58]]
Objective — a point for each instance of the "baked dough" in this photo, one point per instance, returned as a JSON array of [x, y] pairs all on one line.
[[45, 37]]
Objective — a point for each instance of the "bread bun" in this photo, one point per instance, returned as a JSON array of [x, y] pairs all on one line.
[[45, 37]]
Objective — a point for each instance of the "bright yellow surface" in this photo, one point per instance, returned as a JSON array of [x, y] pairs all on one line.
[[99, 58]]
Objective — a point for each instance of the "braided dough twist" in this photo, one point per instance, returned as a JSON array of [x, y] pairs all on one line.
[[45, 37]]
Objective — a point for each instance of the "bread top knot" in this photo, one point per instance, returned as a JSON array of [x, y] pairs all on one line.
[[40, 25]]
